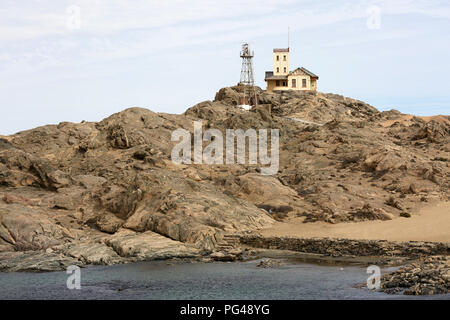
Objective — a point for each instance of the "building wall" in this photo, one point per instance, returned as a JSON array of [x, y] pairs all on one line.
[[280, 64], [311, 84], [299, 80], [314, 84], [272, 85]]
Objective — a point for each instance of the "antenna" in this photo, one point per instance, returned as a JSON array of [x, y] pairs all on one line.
[[288, 37], [247, 66], [247, 78]]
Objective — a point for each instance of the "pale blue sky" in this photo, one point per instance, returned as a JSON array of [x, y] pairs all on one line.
[[169, 55]]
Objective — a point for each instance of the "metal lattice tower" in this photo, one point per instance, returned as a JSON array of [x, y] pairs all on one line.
[[247, 66]]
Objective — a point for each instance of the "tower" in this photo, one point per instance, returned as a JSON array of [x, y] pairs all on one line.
[[247, 97], [247, 66], [281, 62]]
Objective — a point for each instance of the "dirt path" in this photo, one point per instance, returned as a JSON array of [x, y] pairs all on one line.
[[431, 223], [303, 121]]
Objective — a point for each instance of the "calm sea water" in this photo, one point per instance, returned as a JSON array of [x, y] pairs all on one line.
[[159, 280]]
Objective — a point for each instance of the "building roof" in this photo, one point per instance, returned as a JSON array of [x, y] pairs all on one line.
[[309, 73], [270, 76], [281, 50]]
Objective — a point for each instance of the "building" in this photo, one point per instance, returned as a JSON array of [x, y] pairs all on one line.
[[281, 78]]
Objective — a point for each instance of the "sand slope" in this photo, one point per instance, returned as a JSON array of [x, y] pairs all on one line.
[[431, 223]]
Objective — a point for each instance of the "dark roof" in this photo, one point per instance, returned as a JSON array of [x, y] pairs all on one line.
[[309, 73], [270, 76], [281, 50]]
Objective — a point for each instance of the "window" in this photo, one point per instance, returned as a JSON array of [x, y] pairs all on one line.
[[284, 84], [304, 83], [278, 58], [294, 83], [278, 70], [284, 58], [277, 83], [284, 69]]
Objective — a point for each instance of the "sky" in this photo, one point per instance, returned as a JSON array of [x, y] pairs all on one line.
[[86, 59]]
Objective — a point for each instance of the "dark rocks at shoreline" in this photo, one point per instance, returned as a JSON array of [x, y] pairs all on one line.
[[427, 276], [349, 247], [269, 263], [227, 256]]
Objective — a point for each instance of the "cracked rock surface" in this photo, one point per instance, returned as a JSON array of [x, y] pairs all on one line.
[[107, 192]]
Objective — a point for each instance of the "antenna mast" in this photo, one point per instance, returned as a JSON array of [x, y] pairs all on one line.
[[247, 66], [288, 38], [247, 78]]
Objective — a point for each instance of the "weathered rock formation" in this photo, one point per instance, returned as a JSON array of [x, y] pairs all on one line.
[[108, 192]]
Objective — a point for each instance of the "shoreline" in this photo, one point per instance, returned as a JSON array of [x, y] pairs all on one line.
[[415, 258], [423, 266], [256, 279], [348, 247], [315, 250], [249, 246]]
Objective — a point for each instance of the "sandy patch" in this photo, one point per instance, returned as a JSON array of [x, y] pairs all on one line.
[[430, 223], [406, 119]]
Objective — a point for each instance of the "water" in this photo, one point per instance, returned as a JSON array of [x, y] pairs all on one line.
[[159, 280]]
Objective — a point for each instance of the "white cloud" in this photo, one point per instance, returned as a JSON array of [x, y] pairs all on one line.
[[125, 52], [37, 36]]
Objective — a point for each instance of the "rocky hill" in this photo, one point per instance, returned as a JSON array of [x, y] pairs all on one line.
[[108, 192]]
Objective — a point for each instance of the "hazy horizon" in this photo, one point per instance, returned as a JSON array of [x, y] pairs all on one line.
[[77, 60]]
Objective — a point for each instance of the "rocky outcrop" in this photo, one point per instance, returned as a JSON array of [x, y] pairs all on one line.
[[29, 229], [427, 276], [70, 191], [192, 212], [92, 252], [35, 261], [149, 246], [228, 249]]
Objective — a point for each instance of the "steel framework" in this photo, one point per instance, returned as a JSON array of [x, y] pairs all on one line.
[[247, 66]]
